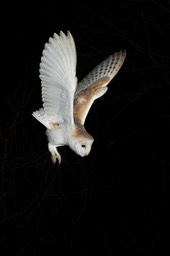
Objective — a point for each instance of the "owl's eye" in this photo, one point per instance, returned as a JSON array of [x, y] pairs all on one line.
[[83, 145]]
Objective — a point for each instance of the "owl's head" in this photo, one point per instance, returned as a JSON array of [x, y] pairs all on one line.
[[83, 147], [80, 140]]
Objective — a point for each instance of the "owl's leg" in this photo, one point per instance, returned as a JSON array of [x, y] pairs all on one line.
[[55, 156]]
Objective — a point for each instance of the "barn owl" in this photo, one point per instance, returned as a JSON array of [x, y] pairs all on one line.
[[66, 102]]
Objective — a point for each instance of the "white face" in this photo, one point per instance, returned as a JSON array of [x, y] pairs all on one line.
[[83, 148]]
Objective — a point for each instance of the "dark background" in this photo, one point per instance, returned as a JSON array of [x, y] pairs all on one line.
[[116, 200]]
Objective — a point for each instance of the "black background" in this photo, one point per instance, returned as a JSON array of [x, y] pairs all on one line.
[[116, 200]]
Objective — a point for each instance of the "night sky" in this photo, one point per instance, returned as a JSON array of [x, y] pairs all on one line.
[[114, 201]]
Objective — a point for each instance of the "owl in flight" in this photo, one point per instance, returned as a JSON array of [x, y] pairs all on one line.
[[67, 102]]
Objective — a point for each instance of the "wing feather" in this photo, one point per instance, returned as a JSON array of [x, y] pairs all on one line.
[[94, 85], [58, 77]]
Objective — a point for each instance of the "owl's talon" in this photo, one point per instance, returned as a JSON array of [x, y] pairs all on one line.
[[56, 158]]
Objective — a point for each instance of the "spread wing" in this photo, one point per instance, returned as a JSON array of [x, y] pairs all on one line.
[[58, 80], [94, 85]]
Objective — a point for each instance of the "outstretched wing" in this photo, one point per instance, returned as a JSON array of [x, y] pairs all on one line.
[[94, 85], [58, 79]]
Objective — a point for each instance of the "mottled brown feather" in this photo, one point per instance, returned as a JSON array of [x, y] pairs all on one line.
[[78, 131], [85, 98]]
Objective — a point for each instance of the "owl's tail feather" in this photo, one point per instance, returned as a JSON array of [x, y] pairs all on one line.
[[41, 116]]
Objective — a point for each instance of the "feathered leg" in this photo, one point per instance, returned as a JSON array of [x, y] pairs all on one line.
[[55, 156]]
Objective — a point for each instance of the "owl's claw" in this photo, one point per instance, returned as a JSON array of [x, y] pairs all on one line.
[[56, 158]]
